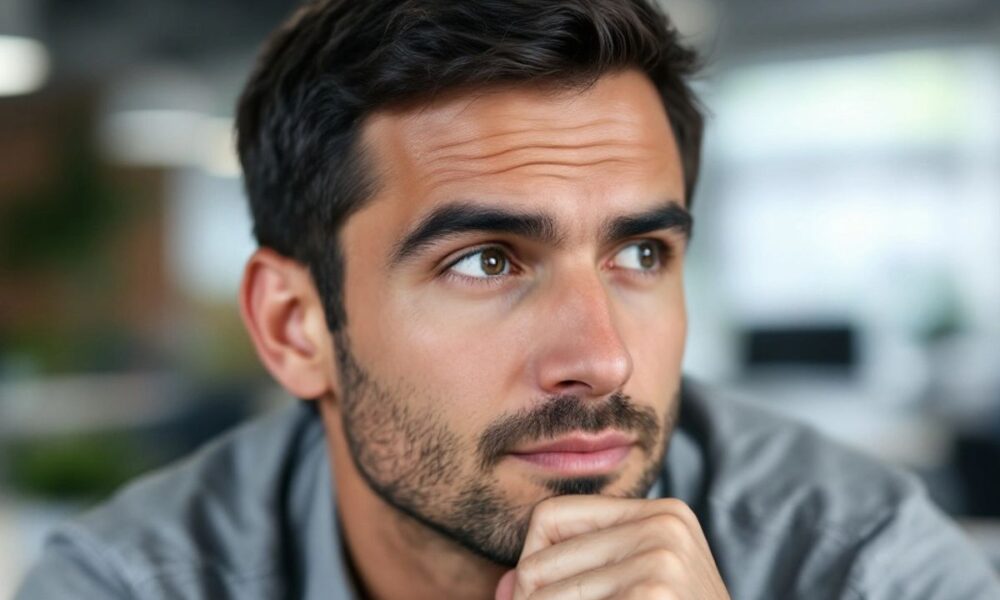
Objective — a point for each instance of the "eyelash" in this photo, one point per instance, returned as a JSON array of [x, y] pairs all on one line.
[[666, 253], [482, 281]]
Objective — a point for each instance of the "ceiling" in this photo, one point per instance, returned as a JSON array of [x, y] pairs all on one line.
[[101, 39]]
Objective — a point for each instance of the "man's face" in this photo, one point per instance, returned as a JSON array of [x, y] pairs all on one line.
[[514, 300]]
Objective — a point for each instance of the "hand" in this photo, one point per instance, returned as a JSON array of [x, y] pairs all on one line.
[[584, 547]]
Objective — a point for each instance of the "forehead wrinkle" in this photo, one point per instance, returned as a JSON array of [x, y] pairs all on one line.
[[449, 138], [473, 156], [508, 159], [557, 169], [560, 161], [538, 155], [451, 149], [526, 133]]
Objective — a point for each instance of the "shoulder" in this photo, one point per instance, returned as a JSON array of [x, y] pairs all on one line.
[[764, 465], [792, 513], [204, 527]]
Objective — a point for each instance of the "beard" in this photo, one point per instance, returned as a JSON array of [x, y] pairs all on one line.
[[419, 466]]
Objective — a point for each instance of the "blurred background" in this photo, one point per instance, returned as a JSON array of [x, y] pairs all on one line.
[[845, 269]]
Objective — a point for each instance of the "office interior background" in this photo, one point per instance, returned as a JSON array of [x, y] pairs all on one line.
[[845, 268]]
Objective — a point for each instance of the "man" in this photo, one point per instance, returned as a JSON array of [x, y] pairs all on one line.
[[472, 217]]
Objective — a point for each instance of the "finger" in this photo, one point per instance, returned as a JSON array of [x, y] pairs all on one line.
[[660, 569], [597, 549], [563, 517], [505, 587]]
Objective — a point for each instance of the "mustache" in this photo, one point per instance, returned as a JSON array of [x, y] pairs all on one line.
[[564, 414]]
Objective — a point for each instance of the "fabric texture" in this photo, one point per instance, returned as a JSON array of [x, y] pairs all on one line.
[[788, 514]]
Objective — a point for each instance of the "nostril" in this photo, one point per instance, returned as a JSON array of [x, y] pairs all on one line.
[[573, 388]]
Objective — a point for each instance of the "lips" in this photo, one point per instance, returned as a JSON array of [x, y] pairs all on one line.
[[580, 443], [578, 454]]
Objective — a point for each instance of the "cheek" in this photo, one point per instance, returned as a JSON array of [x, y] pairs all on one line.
[[660, 349], [655, 338], [457, 356]]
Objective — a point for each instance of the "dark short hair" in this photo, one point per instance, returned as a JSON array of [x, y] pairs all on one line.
[[334, 62]]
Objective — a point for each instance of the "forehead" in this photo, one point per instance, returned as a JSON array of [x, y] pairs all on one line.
[[574, 154]]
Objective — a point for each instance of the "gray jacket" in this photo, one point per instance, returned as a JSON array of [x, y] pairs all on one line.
[[788, 514]]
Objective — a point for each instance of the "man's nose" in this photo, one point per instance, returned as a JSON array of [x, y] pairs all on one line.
[[580, 348]]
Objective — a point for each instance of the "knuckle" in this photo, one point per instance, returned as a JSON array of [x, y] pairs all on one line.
[[670, 504], [662, 561], [529, 576], [678, 507], [669, 524], [544, 511]]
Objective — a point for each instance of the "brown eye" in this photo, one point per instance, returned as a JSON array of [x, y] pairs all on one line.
[[492, 261], [641, 256], [485, 263], [648, 258]]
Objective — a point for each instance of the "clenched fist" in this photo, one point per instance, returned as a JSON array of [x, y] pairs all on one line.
[[584, 547]]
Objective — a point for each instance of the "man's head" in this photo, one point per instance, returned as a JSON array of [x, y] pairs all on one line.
[[336, 63], [474, 218]]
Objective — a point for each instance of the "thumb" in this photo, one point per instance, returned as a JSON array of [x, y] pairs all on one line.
[[505, 589]]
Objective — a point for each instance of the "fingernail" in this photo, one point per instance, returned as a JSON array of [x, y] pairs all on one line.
[[505, 588]]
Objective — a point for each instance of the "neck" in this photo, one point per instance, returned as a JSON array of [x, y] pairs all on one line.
[[395, 556]]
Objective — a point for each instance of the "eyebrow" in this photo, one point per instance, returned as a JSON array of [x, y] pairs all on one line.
[[462, 217], [669, 215]]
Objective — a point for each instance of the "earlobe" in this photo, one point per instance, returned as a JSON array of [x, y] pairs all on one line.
[[284, 317]]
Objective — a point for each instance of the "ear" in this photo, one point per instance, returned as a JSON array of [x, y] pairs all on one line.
[[282, 311]]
